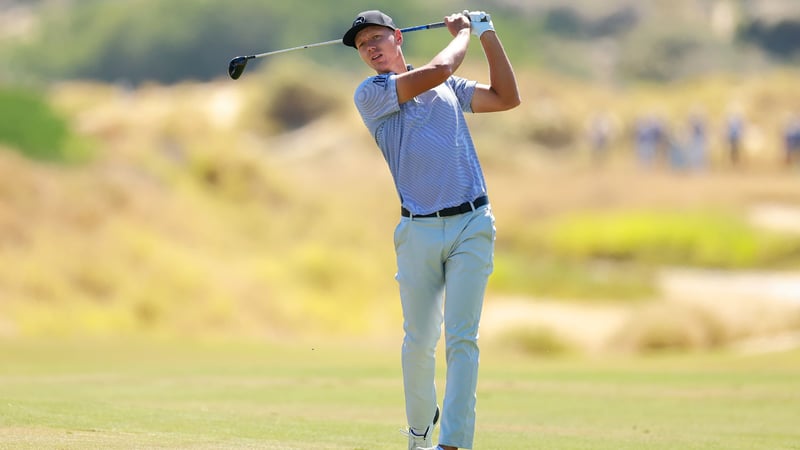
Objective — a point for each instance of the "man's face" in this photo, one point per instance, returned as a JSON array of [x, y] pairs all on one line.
[[379, 47]]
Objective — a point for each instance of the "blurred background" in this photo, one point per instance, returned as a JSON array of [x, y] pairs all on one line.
[[647, 191]]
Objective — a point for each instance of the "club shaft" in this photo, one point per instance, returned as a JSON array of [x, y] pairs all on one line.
[[318, 44], [339, 41], [428, 26]]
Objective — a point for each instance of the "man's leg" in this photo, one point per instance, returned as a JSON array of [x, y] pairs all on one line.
[[420, 274], [467, 272]]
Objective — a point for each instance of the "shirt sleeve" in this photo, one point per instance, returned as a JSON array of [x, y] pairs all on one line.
[[376, 98], [464, 90]]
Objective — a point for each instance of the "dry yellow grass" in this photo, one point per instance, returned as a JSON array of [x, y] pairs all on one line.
[[197, 218]]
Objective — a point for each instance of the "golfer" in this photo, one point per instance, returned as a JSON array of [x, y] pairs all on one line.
[[445, 239]]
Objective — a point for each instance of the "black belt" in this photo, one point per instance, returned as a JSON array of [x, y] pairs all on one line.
[[452, 211]]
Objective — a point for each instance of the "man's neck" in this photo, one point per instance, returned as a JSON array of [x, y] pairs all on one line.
[[399, 69]]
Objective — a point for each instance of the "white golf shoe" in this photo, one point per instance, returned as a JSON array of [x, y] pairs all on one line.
[[416, 442], [425, 440]]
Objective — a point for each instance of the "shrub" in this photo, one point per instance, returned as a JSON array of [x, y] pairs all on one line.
[[298, 104], [672, 327], [292, 99], [697, 239], [537, 341], [29, 125]]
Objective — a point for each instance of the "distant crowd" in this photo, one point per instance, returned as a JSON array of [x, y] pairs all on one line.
[[655, 143]]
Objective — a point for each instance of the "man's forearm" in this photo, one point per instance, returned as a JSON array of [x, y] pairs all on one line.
[[501, 74], [453, 55], [436, 72]]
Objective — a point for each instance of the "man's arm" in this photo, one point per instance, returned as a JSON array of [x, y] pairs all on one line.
[[442, 66], [502, 93]]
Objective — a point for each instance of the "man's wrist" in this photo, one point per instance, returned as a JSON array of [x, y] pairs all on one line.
[[485, 31], [480, 22]]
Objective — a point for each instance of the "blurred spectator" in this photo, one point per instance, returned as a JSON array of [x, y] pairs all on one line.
[[599, 137], [734, 132], [791, 136], [650, 137], [678, 155], [697, 142]]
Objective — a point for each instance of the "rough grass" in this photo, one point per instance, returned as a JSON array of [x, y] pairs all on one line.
[[322, 394], [690, 238], [258, 232]]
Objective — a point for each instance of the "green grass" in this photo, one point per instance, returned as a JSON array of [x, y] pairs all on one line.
[[157, 394], [704, 239]]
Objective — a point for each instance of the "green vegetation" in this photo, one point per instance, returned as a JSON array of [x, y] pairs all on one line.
[[700, 239], [30, 125], [136, 41], [320, 394]]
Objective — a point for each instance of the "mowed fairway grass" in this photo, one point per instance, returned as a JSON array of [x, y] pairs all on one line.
[[117, 393]]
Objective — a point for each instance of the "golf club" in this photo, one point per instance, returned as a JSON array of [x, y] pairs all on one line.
[[238, 64]]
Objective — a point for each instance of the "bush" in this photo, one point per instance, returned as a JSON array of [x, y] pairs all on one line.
[[781, 39], [28, 124], [695, 239], [298, 104], [290, 101], [538, 341], [672, 327]]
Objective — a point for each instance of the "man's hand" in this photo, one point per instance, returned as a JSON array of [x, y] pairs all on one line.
[[481, 22], [457, 22]]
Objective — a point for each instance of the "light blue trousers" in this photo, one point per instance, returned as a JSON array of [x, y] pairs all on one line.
[[443, 265]]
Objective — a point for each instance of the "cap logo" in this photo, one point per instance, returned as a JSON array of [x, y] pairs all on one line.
[[359, 21]]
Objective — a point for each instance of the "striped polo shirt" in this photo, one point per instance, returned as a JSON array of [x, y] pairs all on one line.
[[425, 141]]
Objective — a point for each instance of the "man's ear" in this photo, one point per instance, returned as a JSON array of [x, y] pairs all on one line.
[[398, 36]]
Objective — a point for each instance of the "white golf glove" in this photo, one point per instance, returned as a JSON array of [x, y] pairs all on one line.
[[480, 22]]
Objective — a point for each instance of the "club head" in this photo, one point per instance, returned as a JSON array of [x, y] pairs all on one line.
[[237, 65]]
